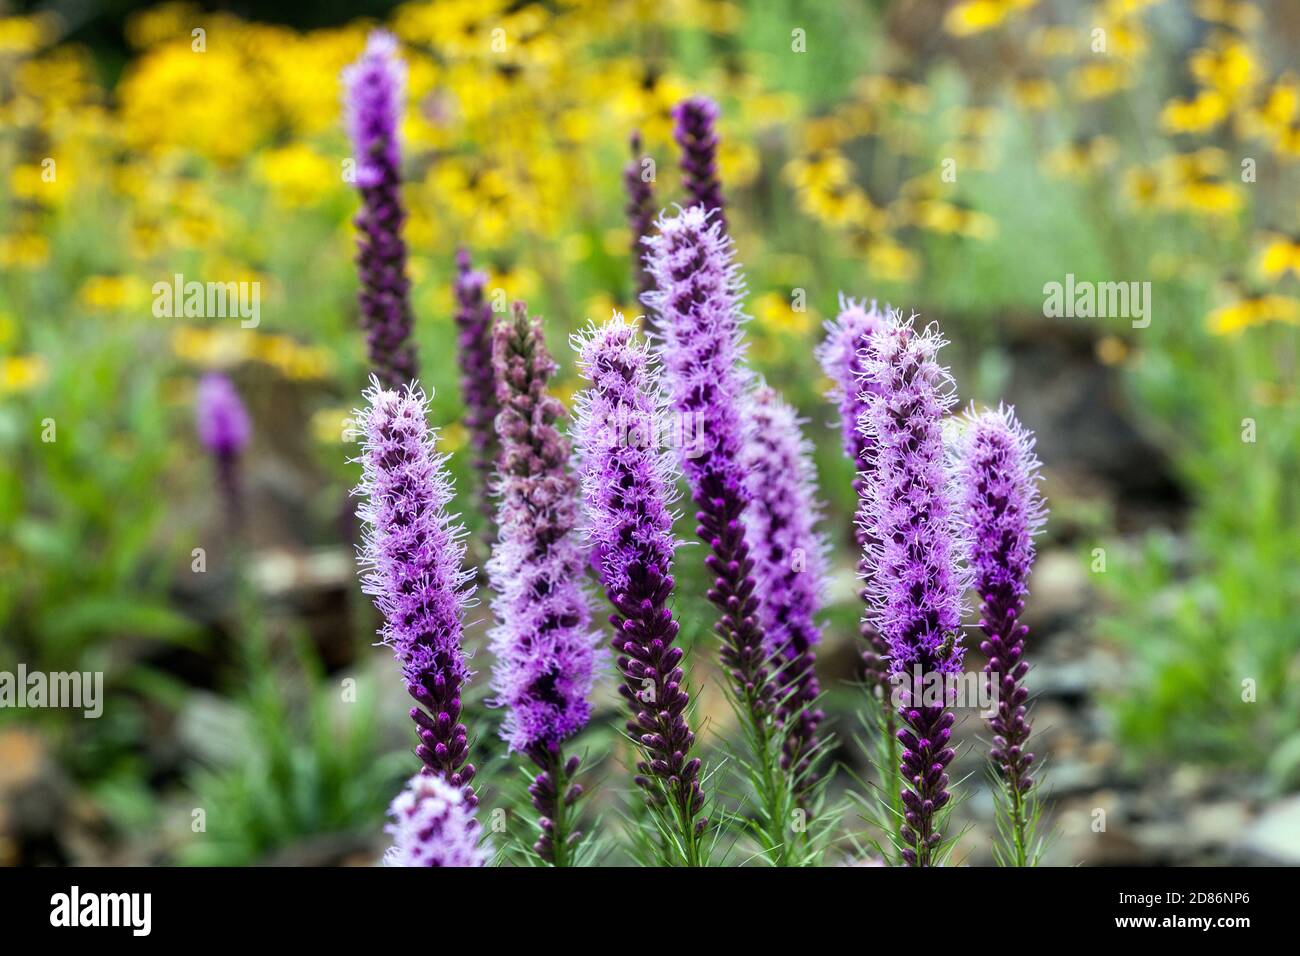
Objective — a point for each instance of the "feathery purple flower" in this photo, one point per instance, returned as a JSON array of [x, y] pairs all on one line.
[[789, 565], [917, 583], [695, 129], [433, 825], [997, 473], [627, 486], [374, 90], [224, 429], [640, 214], [543, 640], [412, 557], [478, 391], [697, 297], [840, 354]]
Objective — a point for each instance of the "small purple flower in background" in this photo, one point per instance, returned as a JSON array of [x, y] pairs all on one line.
[[627, 489], [478, 391], [917, 584], [697, 297], [412, 558], [543, 639], [841, 356], [224, 429], [694, 128], [640, 214], [789, 565], [1003, 510], [374, 91], [433, 825]]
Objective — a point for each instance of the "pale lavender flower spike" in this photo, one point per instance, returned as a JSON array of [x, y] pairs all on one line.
[[412, 558], [917, 582], [697, 295], [998, 475], [543, 639], [789, 565], [433, 825], [841, 357]]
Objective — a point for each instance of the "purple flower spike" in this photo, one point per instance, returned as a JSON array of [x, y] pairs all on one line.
[[224, 430], [373, 103], [1003, 509], [840, 355], [695, 131], [640, 214], [474, 353], [627, 487], [697, 297], [544, 644], [790, 565], [433, 825], [220, 416], [412, 558], [918, 584]]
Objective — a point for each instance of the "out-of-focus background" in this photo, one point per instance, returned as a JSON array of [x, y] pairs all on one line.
[[947, 157]]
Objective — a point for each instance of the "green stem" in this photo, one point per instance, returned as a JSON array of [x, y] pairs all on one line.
[[560, 821]]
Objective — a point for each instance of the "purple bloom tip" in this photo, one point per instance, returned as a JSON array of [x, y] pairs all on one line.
[[433, 825], [220, 416], [915, 543], [998, 475], [374, 90]]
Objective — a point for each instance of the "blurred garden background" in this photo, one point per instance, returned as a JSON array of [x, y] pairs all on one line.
[[947, 156]]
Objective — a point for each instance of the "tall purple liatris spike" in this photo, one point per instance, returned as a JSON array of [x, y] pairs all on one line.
[[640, 213], [789, 565], [627, 485], [543, 640], [478, 391], [697, 297], [224, 430], [997, 474], [918, 583], [373, 103], [433, 825], [695, 129], [840, 355], [412, 558]]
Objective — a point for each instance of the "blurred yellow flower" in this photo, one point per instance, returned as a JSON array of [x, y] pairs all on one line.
[[27, 34], [1094, 81], [224, 346], [1254, 310], [1281, 254], [1198, 115], [22, 373], [333, 425], [1081, 158], [298, 175], [1034, 93], [111, 293], [976, 16], [24, 251], [775, 312]]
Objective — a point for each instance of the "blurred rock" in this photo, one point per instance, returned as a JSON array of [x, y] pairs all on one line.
[[1273, 838]]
